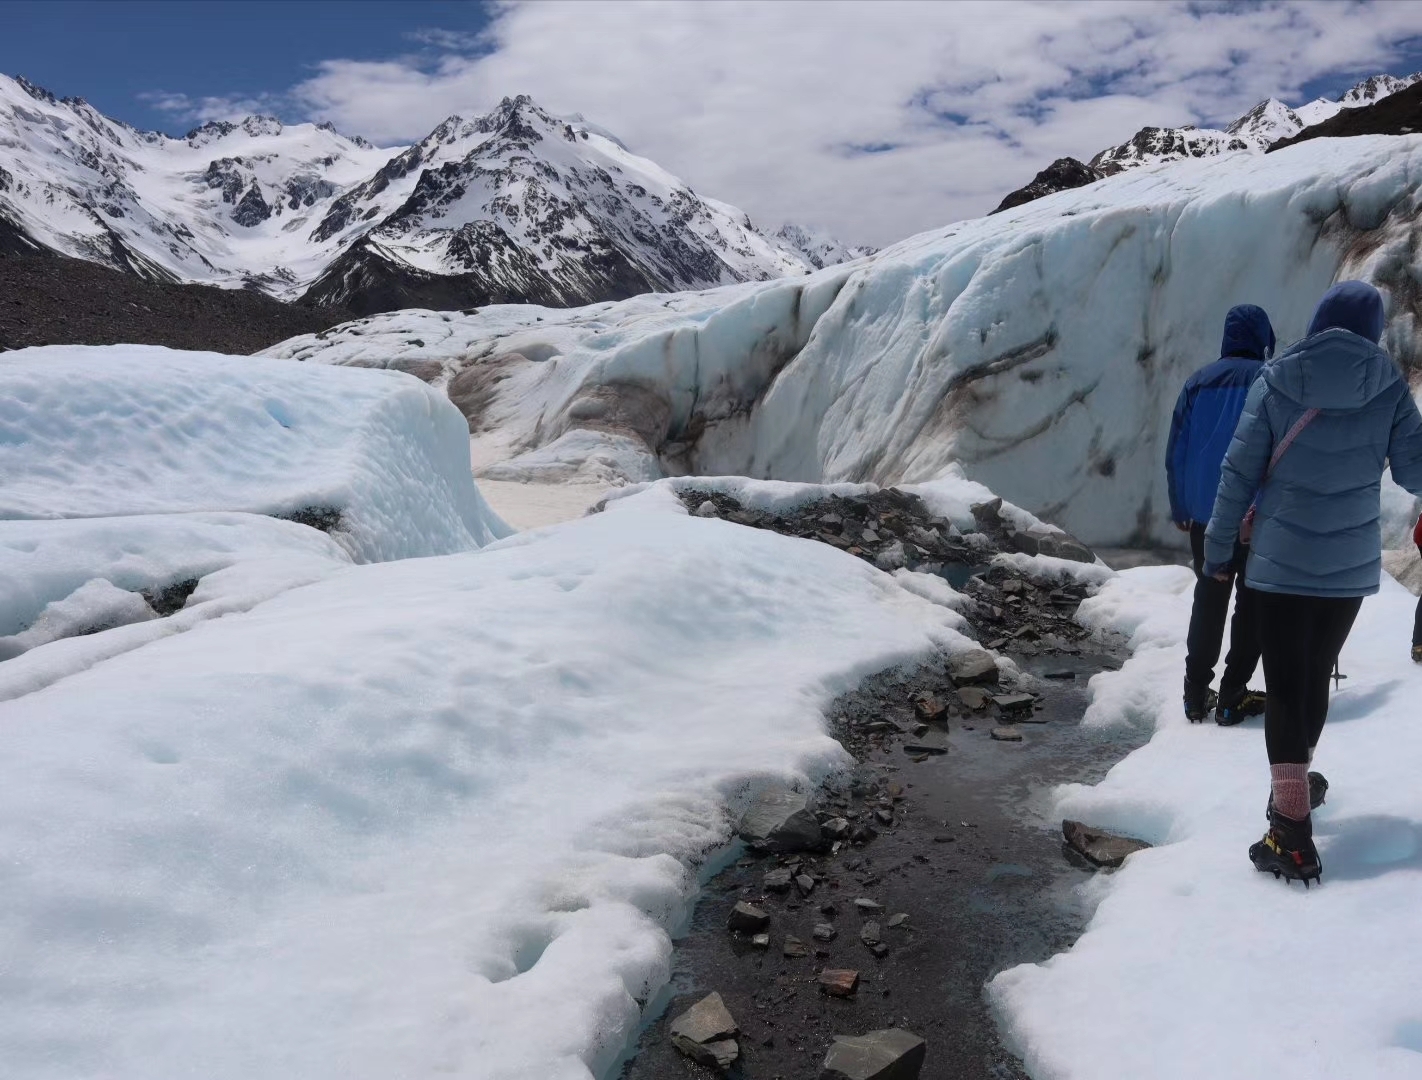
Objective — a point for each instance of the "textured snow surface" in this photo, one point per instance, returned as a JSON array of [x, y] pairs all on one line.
[[423, 817], [1042, 348], [91, 432], [1195, 964]]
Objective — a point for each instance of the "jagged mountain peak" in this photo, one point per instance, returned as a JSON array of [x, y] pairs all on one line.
[[514, 204], [1376, 87]]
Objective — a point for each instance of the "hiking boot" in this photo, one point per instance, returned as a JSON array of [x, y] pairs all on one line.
[[1198, 702], [1237, 707], [1317, 794], [1417, 654], [1287, 850]]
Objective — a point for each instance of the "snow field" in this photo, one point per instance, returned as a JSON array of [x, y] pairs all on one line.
[[1194, 964], [1041, 348], [433, 815], [129, 429]]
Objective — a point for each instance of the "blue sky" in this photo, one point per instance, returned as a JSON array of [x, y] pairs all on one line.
[[873, 119], [115, 53]]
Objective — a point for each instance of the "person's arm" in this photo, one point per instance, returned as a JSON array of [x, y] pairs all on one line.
[[1176, 451], [1243, 471], [1404, 445]]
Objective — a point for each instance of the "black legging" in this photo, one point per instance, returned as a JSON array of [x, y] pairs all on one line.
[[1301, 638]]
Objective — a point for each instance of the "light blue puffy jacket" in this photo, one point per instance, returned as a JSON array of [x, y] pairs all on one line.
[[1316, 528]]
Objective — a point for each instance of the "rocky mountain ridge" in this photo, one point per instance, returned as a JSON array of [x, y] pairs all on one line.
[[1268, 125], [515, 205]]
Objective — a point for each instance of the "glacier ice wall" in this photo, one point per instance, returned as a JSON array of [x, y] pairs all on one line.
[[1041, 348]]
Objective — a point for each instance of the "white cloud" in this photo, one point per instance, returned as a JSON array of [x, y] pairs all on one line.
[[772, 106], [202, 109]]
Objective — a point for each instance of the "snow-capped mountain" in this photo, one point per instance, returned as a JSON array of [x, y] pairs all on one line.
[[817, 247], [514, 205], [1255, 131], [1041, 348]]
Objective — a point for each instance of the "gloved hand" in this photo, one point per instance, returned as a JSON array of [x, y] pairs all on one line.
[[1219, 573]]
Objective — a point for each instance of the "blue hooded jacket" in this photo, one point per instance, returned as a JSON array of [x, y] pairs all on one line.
[[1207, 411], [1316, 528]]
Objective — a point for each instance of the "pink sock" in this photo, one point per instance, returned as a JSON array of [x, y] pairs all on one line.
[[1290, 790]]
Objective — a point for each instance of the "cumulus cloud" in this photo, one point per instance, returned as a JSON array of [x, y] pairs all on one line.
[[202, 109], [876, 120]]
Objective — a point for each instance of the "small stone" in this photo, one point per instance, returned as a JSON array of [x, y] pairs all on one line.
[[879, 949], [920, 730], [839, 982], [1098, 846], [895, 790], [973, 697], [805, 883], [1013, 587], [1006, 734], [892, 1054], [898, 920], [885, 816], [973, 666], [706, 510], [824, 932], [862, 834], [777, 881], [794, 947], [829, 911], [748, 919], [924, 748], [863, 903], [1012, 702], [929, 709], [761, 941], [836, 828], [706, 1033], [870, 934], [1062, 545], [780, 821]]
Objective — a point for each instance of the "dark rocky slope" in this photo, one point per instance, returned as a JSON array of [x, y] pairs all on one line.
[[1397, 114], [55, 300], [1061, 175]]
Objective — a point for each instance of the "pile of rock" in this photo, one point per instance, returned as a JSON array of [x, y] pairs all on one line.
[[891, 529]]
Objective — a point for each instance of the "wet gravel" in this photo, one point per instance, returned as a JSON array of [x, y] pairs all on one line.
[[970, 857]]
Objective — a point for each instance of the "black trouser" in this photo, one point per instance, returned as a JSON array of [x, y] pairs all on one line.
[[1417, 618], [1207, 623], [1301, 636]]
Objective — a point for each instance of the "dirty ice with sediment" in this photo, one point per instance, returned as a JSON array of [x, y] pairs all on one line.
[[420, 794]]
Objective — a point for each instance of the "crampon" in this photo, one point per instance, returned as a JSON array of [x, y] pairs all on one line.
[[1287, 851]]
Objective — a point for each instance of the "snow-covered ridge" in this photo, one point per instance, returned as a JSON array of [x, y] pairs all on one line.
[[1254, 132], [1042, 348], [95, 432], [516, 204]]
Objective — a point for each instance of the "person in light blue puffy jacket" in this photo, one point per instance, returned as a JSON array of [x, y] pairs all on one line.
[[1316, 549]]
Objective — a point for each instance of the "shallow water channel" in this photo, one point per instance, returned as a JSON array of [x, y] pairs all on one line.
[[971, 857]]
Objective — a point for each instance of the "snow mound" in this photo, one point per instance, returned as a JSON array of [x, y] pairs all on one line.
[[42, 562], [121, 430], [1041, 348], [1331, 973], [417, 817]]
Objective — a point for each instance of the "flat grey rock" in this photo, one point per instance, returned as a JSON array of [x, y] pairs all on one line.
[[748, 919], [1098, 846], [1006, 734], [706, 1033], [780, 821], [892, 1054], [974, 697], [973, 666]]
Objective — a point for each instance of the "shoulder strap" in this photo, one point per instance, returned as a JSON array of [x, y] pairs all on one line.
[[1284, 443]]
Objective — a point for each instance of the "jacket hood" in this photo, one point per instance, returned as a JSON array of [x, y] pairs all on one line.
[[1247, 333], [1335, 370], [1350, 305]]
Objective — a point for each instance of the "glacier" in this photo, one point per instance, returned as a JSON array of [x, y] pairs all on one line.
[[1041, 348]]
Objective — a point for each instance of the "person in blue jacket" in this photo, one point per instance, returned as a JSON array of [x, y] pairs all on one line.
[[1317, 540], [1206, 413]]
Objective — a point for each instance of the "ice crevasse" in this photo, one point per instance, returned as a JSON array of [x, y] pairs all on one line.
[[1041, 348]]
